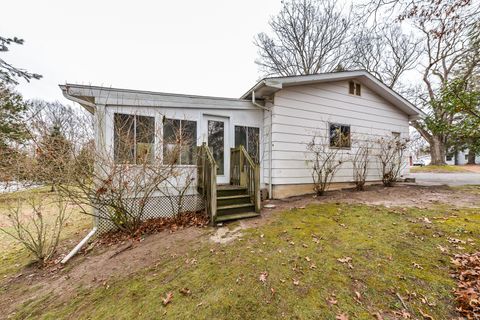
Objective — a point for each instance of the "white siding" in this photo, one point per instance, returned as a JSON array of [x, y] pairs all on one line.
[[300, 112]]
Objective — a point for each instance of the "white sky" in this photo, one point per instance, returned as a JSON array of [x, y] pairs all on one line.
[[180, 46]]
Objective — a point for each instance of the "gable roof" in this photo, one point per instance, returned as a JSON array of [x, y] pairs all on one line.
[[268, 86]]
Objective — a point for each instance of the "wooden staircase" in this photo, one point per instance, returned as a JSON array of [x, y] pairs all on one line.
[[241, 198], [234, 202]]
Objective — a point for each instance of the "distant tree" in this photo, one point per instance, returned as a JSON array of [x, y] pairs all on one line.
[[9, 73], [308, 36], [449, 31], [12, 115]]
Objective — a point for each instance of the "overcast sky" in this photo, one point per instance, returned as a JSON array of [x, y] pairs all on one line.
[[198, 47]]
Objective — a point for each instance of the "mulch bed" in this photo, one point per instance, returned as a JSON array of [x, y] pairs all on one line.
[[150, 226], [468, 284]]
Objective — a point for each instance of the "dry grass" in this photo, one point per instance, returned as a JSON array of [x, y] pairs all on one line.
[[438, 169]]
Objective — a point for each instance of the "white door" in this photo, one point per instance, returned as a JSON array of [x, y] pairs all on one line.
[[215, 131]]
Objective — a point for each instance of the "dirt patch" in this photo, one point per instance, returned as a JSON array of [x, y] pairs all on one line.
[[224, 235], [98, 267], [472, 167]]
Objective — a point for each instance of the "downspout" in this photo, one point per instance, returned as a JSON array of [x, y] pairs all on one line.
[[270, 195], [94, 229], [79, 245]]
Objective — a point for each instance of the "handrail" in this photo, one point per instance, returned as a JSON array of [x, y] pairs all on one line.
[[246, 173], [207, 180]]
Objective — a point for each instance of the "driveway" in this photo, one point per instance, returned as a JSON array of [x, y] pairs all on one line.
[[451, 179]]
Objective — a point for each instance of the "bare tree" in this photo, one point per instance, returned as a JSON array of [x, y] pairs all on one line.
[[361, 161], [386, 52], [309, 36], [325, 162], [33, 230], [391, 158], [450, 35]]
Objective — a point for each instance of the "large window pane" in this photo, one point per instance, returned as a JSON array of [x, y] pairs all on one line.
[[253, 143], [124, 138], [145, 139], [179, 141], [171, 141], [216, 143], [189, 142], [240, 136], [249, 137]]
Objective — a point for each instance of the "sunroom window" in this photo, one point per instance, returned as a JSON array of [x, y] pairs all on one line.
[[134, 138], [179, 141], [249, 137]]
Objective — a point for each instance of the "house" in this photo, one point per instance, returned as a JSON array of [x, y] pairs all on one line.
[[273, 122]]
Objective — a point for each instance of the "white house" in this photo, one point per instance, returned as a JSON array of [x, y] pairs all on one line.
[[274, 121]]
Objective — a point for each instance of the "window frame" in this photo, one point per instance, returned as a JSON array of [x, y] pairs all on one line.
[[180, 164], [134, 161], [330, 124], [354, 88], [246, 139]]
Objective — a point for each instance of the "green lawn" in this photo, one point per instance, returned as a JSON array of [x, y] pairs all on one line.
[[438, 169], [394, 252]]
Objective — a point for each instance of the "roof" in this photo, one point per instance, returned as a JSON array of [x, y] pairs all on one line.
[[88, 96], [268, 86]]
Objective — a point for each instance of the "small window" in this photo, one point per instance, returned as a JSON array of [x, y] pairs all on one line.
[[249, 137], [179, 141], [339, 136], [354, 88], [351, 87], [396, 135], [466, 156], [449, 158], [134, 138]]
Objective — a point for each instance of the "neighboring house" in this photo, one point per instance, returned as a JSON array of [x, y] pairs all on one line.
[[274, 121], [460, 158]]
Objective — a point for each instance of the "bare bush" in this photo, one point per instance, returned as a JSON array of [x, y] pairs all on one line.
[[36, 230], [391, 158], [360, 161], [119, 182], [325, 163]]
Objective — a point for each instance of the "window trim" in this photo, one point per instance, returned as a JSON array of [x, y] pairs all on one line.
[[349, 136], [356, 86], [246, 131], [154, 143], [162, 144]]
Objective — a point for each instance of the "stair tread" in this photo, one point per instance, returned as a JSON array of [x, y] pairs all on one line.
[[237, 196], [236, 216], [230, 187], [234, 206]]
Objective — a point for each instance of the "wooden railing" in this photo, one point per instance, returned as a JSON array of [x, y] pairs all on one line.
[[207, 180], [246, 173]]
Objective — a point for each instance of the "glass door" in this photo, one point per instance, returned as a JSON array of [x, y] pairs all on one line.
[[217, 141]]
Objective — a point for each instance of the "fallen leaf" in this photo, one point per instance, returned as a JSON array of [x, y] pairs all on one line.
[[185, 291], [359, 296], [168, 298], [425, 315], [332, 300], [263, 277], [296, 282], [342, 316], [378, 316], [308, 259]]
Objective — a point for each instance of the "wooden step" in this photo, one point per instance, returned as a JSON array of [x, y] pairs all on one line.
[[230, 191], [229, 200], [234, 209], [236, 216]]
